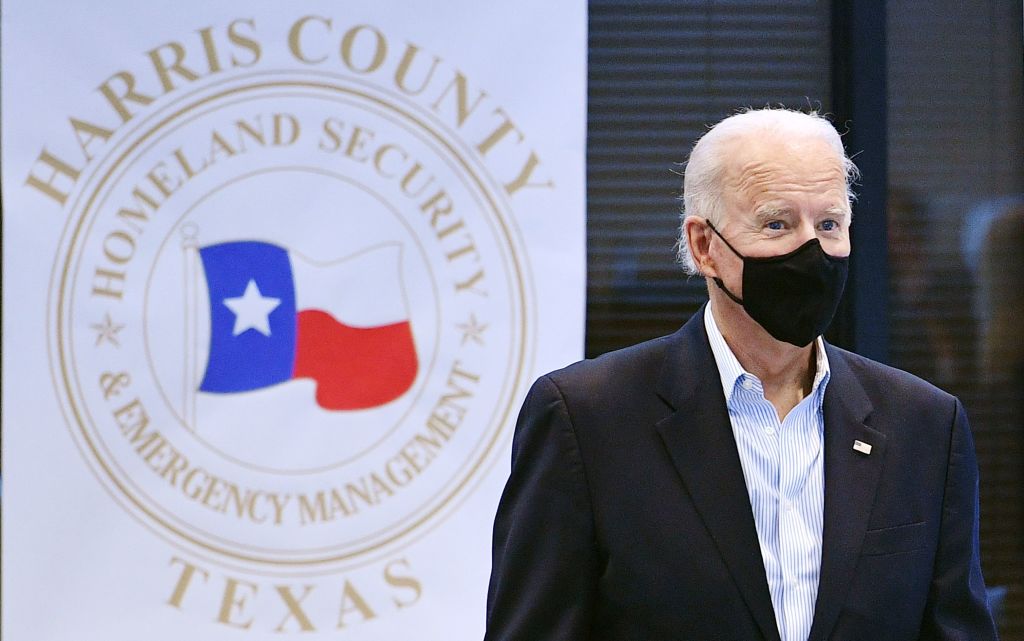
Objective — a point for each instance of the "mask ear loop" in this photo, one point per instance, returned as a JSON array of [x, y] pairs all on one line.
[[723, 239], [717, 280]]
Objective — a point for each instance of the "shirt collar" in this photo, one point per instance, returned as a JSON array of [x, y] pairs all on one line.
[[732, 373]]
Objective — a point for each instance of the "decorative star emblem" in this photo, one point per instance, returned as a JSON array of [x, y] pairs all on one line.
[[107, 331], [472, 330], [252, 310]]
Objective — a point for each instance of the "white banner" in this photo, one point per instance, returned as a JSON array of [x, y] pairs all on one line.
[[276, 279]]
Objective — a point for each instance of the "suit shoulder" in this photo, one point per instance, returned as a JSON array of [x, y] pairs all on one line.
[[609, 399], [618, 365], [881, 380], [609, 382]]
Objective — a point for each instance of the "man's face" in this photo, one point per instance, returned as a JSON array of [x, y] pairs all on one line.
[[777, 195]]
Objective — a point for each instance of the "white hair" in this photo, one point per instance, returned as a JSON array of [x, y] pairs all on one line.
[[702, 179]]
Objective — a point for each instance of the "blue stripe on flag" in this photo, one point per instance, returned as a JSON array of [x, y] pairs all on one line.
[[250, 360]]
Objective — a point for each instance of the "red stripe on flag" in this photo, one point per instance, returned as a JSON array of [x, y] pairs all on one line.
[[354, 368]]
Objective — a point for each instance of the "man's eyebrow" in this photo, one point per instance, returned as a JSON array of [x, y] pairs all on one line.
[[766, 213], [838, 212]]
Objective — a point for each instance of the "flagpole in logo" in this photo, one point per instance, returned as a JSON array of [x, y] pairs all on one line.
[[190, 248]]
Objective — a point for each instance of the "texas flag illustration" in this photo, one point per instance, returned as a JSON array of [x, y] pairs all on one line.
[[276, 316]]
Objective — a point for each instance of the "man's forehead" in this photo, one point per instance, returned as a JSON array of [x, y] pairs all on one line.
[[756, 166], [750, 150]]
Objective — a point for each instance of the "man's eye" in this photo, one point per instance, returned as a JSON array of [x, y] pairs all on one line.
[[774, 225], [829, 225]]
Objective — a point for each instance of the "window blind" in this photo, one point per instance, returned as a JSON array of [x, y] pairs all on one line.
[[659, 73]]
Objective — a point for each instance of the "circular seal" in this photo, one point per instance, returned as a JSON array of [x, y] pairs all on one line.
[[290, 319]]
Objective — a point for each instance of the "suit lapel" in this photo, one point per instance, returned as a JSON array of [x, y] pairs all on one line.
[[700, 443], [851, 480]]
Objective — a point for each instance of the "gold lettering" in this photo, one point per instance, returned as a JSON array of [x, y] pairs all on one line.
[[279, 129], [252, 46], [175, 465], [415, 458], [160, 179], [219, 146], [402, 581], [210, 48], [295, 35], [403, 70], [379, 50], [466, 249], [335, 136], [406, 474], [379, 487], [279, 505], [462, 108], [384, 150], [163, 69], [470, 284], [186, 166], [244, 130], [358, 141], [187, 572], [503, 129], [360, 490], [232, 601], [58, 168], [440, 204], [294, 608], [440, 425], [450, 229], [408, 178], [311, 511], [132, 417], [109, 283], [461, 373], [251, 505], [111, 251], [523, 179], [352, 601], [338, 504], [128, 93], [428, 444], [197, 489], [144, 440], [244, 504], [162, 448], [447, 415], [214, 490], [135, 217], [91, 132]]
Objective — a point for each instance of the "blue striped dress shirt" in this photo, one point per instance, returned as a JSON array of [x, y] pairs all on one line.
[[783, 466]]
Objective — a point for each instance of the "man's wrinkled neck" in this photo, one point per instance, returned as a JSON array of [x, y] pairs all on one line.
[[779, 366]]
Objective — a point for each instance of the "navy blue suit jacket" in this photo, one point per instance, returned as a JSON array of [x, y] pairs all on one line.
[[626, 516]]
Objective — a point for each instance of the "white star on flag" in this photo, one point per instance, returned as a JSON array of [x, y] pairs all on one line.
[[252, 310]]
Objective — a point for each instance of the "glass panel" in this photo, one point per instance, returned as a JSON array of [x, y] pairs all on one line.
[[956, 236]]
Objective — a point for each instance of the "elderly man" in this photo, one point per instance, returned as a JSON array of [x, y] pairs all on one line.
[[742, 479]]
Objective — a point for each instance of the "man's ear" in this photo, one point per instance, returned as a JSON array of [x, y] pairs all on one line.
[[699, 236]]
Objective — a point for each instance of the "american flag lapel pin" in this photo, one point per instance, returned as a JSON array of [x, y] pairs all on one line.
[[862, 447]]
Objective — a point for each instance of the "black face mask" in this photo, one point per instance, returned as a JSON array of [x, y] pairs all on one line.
[[793, 296]]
